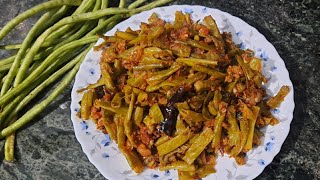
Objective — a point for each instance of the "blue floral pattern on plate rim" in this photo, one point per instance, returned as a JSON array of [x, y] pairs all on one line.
[[103, 152]]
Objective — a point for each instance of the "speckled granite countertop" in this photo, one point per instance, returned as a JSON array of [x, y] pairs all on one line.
[[49, 150]]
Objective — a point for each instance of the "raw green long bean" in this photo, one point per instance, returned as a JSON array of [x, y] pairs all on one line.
[[5, 67], [23, 100], [25, 44], [122, 4], [8, 108], [41, 7], [9, 148], [104, 5], [5, 98], [41, 106], [7, 60], [84, 7], [136, 4]]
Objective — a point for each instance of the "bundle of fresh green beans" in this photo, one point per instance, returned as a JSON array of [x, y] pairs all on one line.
[[54, 46]]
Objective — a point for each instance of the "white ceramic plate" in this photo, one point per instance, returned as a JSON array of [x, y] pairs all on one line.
[[103, 152]]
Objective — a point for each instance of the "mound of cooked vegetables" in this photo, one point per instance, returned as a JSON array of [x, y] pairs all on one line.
[[172, 96]]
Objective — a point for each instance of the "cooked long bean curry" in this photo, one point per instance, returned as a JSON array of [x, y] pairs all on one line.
[[174, 95]]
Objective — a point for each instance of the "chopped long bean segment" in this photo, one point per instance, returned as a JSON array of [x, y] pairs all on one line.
[[152, 88], [218, 128], [199, 145], [198, 76], [197, 44], [205, 110], [138, 115], [162, 140], [123, 110], [244, 131], [162, 75], [117, 100], [205, 170], [125, 35], [204, 85], [127, 122], [156, 114], [252, 123], [180, 126], [121, 137], [178, 165], [147, 67], [41, 7], [233, 131], [245, 67], [277, 99], [92, 86], [151, 60], [174, 143], [133, 160], [107, 79], [111, 128], [191, 116], [86, 104], [184, 175], [211, 23], [194, 61], [215, 74]]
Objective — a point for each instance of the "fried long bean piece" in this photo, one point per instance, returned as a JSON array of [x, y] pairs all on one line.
[[127, 121], [178, 165], [252, 123], [133, 160], [121, 137], [277, 99], [105, 105], [162, 75], [175, 142], [214, 73], [194, 61], [218, 128], [233, 131], [199, 145], [138, 115], [147, 67], [107, 79]]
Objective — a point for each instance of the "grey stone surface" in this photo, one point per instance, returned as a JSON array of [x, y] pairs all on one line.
[[47, 148]]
